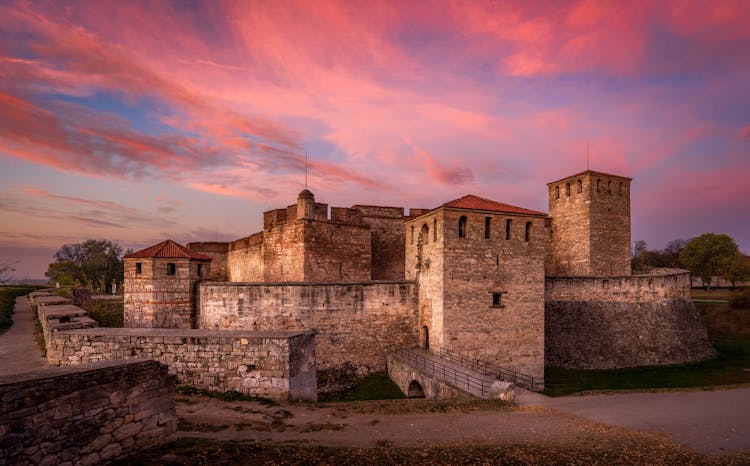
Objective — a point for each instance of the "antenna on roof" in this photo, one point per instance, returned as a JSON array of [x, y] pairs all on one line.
[[217, 232], [587, 155], [305, 168]]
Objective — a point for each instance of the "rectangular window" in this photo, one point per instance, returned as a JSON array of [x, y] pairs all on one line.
[[528, 231], [487, 223], [138, 268], [497, 299], [508, 224], [171, 268], [200, 270]]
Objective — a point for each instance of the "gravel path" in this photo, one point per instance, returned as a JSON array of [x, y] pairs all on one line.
[[18, 351]]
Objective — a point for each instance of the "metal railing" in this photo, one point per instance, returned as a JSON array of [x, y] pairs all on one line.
[[461, 379], [508, 375]]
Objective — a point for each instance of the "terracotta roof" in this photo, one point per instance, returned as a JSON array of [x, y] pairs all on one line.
[[591, 172], [166, 249], [473, 202]]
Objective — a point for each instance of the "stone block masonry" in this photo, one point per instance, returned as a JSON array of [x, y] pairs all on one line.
[[356, 324], [85, 415], [613, 322], [278, 365]]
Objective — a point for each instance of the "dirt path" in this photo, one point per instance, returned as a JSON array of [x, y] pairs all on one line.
[[18, 351]]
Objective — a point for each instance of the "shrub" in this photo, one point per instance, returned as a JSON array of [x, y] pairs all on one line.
[[740, 299]]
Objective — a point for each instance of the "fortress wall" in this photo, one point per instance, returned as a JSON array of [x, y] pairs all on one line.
[[85, 415], [387, 227], [336, 252], [283, 252], [245, 260], [355, 323], [278, 365], [631, 321]]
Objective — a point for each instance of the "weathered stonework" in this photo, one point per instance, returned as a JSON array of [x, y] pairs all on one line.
[[612, 322], [85, 415], [355, 323]]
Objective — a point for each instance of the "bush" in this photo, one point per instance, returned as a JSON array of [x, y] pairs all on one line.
[[741, 299]]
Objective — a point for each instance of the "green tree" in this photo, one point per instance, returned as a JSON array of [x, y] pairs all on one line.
[[738, 270], [94, 263], [709, 255]]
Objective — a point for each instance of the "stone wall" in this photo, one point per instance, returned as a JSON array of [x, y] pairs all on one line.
[[278, 365], [388, 240], [336, 252], [284, 252], [85, 415], [355, 324], [245, 261], [404, 374], [218, 252], [612, 322]]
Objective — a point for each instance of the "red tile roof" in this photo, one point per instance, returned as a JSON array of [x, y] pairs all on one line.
[[166, 249], [473, 202]]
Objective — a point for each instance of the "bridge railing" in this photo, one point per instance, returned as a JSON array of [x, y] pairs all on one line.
[[508, 375], [461, 379]]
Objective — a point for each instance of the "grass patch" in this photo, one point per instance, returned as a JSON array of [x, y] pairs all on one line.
[[8, 295], [231, 395], [729, 332], [107, 313], [376, 386]]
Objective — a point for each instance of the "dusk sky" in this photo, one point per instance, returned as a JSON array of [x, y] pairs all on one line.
[[138, 122]]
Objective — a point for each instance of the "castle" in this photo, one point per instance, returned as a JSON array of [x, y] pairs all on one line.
[[494, 282]]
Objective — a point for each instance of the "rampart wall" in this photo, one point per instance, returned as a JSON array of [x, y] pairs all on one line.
[[356, 324], [612, 322], [85, 415]]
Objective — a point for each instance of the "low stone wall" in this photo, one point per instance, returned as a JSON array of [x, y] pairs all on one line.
[[85, 415], [356, 324], [640, 320], [278, 365]]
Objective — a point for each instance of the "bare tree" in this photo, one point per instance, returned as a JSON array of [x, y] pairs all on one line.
[[6, 268]]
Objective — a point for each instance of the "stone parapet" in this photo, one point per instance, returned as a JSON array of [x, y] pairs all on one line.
[[85, 415], [654, 286]]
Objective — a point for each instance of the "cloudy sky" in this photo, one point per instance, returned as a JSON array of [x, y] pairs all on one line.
[[143, 121]]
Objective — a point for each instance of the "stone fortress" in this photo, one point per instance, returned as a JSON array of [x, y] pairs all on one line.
[[492, 282]]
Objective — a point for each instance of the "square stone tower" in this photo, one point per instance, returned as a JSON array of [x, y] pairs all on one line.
[[590, 233], [479, 266], [159, 288]]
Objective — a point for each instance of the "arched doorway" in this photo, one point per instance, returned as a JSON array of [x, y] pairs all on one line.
[[425, 338], [415, 390]]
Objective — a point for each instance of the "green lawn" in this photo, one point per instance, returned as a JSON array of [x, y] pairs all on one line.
[[729, 331], [8, 296], [376, 386]]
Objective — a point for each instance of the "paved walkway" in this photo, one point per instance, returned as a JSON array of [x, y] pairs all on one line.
[[713, 422], [18, 351]]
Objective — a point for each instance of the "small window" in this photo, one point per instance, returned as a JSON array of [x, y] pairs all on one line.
[[605, 283], [497, 299], [412, 234], [434, 230], [200, 270], [487, 223], [609, 187], [567, 189], [580, 187], [138, 268], [425, 234], [598, 186], [508, 224], [462, 227], [619, 189], [171, 268], [557, 192], [527, 234]]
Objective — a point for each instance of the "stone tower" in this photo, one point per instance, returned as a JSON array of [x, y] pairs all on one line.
[[590, 234], [160, 284]]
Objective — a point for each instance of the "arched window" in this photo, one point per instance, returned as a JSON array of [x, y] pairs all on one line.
[[619, 189], [528, 231], [425, 234], [508, 224], [580, 186], [462, 227], [434, 229], [598, 186], [609, 187], [557, 192], [567, 189]]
